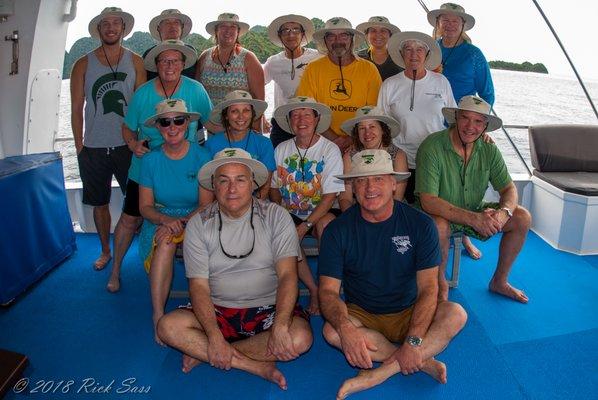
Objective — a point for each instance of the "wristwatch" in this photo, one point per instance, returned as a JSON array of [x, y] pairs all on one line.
[[309, 224], [414, 341], [508, 211]]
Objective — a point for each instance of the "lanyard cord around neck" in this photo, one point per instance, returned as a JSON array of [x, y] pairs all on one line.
[[303, 157], [226, 66], [115, 69], [246, 140], [168, 96]]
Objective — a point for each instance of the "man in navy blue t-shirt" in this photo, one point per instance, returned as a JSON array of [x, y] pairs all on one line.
[[386, 255]]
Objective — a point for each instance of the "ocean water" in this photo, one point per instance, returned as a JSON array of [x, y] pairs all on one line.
[[521, 99]]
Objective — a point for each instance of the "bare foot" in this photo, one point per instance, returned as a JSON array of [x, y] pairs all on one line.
[[314, 304], [472, 251], [272, 374], [508, 291], [156, 318], [189, 363], [367, 378], [102, 261], [113, 285], [435, 369]]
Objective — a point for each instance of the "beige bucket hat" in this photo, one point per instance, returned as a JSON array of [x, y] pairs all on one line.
[[337, 24], [475, 104], [378, 21], [227, 17], [127, 18], [168, 14], [237, 97], [229, 156], [373, 162], [395, 42], [149, 61], [281, 114], [451, 8], [275, 25], [371, 112], [167, 106]]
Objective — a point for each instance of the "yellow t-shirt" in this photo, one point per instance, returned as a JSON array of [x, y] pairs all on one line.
[[359, 87]]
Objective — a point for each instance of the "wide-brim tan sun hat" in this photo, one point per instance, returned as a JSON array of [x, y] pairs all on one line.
[[281, 114], [371, 163], [149, 61], [308, 28], [378, 21], [227, 17], [230, 156], [127, 18], [433, 59], [371, 112], [455, 9], [337, 24], [168, 106], [171, 13], [237, 97], [475, 104]]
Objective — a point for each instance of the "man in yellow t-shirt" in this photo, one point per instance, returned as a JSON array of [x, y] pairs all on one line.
[[341, 80]]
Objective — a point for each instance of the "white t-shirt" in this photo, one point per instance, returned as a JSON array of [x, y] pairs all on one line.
[[278, 69], [302, 184], [432, 93], [247, 282]]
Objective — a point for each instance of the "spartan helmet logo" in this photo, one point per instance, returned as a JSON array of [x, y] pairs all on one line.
[[366, 110], [302, 99], [108, 91], [477, 100], [368, 158], [453, 6], [230, 153], [171, 103], [335, 21]]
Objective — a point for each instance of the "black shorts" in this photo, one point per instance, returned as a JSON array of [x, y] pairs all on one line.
[[298, 221], [278, 135], [131, 203], [96, 168]]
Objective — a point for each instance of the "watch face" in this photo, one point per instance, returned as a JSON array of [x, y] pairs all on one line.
[[414, 340]]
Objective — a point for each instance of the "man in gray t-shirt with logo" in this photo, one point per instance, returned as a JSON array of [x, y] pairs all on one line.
[[241, 261]]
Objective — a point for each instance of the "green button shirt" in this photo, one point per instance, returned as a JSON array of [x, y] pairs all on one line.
[[441, 171]]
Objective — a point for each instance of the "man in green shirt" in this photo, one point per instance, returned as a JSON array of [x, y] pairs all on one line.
[[453, 172]]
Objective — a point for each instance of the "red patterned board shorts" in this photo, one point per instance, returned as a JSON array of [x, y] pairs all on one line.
[[241, 323]]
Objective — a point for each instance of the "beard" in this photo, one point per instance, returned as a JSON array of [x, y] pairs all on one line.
[[110, 41]]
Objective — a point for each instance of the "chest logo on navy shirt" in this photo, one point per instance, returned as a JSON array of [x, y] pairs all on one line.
[[402, 243]]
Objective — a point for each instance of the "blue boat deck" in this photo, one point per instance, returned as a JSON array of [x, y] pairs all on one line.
[[72, 329]]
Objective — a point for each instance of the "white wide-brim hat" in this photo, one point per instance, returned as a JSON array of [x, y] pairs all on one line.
[[168, 14], [230, 156], [337, 24], [373, 162], [127, 18], [455, 9], [149, 61], [227, 17], [475, 104], [237, 97], [378, 21], [433, 59], [167, 106], [308, 28], [281, 114], [371, 112]]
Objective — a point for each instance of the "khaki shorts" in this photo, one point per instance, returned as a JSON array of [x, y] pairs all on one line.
[[393, 326]]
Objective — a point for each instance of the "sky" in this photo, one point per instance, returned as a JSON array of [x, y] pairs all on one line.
[[508, 30]]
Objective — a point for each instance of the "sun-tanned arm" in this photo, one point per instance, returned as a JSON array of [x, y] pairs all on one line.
[[220, 352], [280, 343], [78, 101]]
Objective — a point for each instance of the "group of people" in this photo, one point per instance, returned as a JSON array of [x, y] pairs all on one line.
[[369, 153]]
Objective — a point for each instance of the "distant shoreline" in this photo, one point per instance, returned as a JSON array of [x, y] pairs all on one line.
[[525, 66]]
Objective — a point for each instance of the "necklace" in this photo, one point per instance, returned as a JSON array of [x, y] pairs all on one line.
[[168, 96], [226, 66], [114, 70], [246, 140], [303, 157]]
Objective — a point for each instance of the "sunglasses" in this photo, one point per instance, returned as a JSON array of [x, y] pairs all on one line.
[[166, 122]]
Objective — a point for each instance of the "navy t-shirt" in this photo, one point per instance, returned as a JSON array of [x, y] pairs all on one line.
[[378, 262]]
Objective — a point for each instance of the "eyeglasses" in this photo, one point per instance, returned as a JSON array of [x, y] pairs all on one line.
[[288, 31], [220, 236], [165, 61], [339, 36], [166, 122]]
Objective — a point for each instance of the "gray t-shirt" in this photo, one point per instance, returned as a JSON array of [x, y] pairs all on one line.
[[247, 282]]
